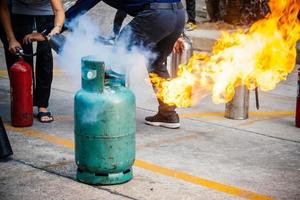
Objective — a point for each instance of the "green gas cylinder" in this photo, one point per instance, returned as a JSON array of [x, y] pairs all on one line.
[[104, 127]]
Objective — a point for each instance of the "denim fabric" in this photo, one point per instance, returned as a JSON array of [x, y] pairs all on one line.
[[118, 21], [191, 10], [157, 30]]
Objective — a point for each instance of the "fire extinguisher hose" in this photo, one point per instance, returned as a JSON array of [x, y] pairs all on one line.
[[21, 53]]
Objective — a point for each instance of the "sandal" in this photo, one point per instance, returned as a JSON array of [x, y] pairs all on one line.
[[41, 117]]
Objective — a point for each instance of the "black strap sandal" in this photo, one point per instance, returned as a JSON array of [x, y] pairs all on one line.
[[41, 115]]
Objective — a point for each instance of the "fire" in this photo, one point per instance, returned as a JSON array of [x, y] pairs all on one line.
[[261, 56]]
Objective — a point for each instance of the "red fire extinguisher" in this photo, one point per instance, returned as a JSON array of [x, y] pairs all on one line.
[[298, 102], [21, 94]]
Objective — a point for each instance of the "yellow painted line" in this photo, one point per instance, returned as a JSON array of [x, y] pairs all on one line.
[[251, 114], [56, 72], [3, 73], [208, 114], [151, 167], [42, 135], [200, 181], [168, 141], [204, 114], [273, 114]]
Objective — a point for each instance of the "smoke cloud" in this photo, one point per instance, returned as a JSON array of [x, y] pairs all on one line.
[[83, 40]]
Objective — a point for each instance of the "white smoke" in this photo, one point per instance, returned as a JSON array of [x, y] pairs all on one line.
[[82, 41]]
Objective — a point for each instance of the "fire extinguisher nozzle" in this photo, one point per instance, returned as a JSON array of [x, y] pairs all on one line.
[[57, 42]]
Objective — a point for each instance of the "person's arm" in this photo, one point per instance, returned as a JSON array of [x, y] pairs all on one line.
[[59, 19], [59, 13], [6, 22], [80, 7]]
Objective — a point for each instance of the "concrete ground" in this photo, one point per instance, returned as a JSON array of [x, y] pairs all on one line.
[[209, 157]]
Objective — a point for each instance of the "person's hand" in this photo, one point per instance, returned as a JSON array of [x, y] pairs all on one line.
[[33, 37], [13, 46], [55, 30], [179, 45]]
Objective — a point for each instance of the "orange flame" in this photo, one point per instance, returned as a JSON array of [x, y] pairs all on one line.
[[260, 57]]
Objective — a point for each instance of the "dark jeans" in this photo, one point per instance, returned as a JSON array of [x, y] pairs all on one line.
[[157, 30], [23, 25], [212, 7], [191, 10], [4, 41], [118, 21], [5, 46]]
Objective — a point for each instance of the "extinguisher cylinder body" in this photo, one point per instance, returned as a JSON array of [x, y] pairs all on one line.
[[21, 94], [298, 102]]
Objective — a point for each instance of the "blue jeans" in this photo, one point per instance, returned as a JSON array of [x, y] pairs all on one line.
[[157, 30], [118, 21], [191, 10]]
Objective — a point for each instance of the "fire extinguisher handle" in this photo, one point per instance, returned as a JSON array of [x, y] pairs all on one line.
[[20, 53]]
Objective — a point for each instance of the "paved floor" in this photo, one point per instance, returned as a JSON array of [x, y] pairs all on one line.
[[209, 157]]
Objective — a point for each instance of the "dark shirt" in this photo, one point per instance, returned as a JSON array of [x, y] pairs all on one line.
[[129, 6], [32, 7], [133, 6]]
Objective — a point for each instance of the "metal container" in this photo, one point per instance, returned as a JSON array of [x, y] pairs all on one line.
[[238, 107], [104, 127], [181, 58]]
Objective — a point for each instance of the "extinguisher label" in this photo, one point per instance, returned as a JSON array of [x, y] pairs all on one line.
[[89, 74], [27, 116]]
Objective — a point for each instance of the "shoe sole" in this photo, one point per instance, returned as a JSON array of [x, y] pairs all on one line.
[[190, 29], [162, 124]]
